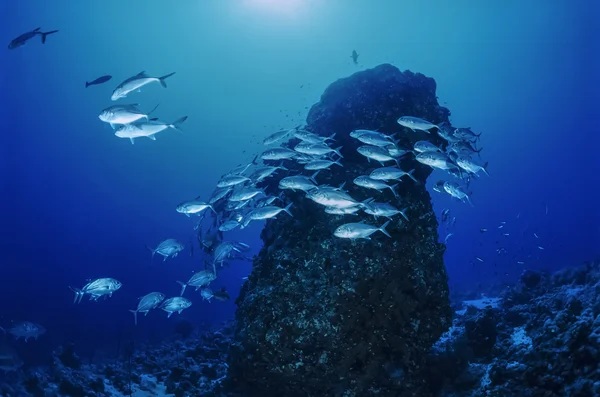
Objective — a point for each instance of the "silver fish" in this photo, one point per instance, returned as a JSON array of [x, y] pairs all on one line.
[[425, 146], [206, 293], [96, 289], [470, 166], [415, 123], [245, 194], [264, 172], [25, 330], [384, 209], [147, 302], [232, 180], [321, 164], [193, 207], [466, 134], [147, 129], [122, 114], [267, 212], [176, 304], [342, 211], [310, 137], [136, 82], [454, 189], [366, 182], [278, 154], [199, 279], [299, 182], [220, 193], [316, 149], [359, 230], [376, 153], [391, 173], [375, 139], [167, 248], [277, 136], [229, 225], [435, 160], [333, 198]]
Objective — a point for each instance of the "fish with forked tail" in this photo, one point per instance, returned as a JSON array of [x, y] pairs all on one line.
[[25, 37]]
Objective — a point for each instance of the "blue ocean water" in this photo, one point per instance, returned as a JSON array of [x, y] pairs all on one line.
[[79, 203]]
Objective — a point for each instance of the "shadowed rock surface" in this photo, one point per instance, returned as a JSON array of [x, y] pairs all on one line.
[[323, 316]]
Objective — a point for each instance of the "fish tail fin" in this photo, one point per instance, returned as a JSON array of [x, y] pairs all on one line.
[[411, 176], [337, 151], [313, 176], [45, 34], [87, 84], [212, 209], [183, 286], [382, 229], [287, 209], [479, 152], [175, 124], [78, 294], [393, 189], [330, 137], [484, 168], [163, 78], [134, 316], [152, 111], [338, 163], [403, 213], [469, 200], [153, 252], [281, 167]]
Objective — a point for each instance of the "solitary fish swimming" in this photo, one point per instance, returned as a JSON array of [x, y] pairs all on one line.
[[25, 37], [99, 80], [136, 82]]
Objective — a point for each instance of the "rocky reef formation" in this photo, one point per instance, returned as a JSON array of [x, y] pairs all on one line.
[[322, 316], [183, 367], [539, 338]]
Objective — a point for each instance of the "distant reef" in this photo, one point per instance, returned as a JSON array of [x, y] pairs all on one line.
[[323, 316]]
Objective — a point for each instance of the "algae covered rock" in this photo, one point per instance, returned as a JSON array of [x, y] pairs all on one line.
[[324, 316]]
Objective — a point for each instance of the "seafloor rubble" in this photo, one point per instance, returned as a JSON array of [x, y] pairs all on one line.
[[323, 316], [539, 338], [193, 366]]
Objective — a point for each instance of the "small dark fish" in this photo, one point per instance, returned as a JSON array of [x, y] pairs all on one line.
[[25, 37], [479, 259], [99, 80], [354, 57], [221, 295], [482, 230]]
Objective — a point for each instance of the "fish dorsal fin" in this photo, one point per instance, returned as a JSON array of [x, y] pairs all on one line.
[[154, 119], [36, 30], [141, 74]]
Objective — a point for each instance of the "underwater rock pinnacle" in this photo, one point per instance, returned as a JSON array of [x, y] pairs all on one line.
[[323, 316]]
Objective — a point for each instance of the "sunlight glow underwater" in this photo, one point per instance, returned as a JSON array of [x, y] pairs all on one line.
[[279, 7]]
